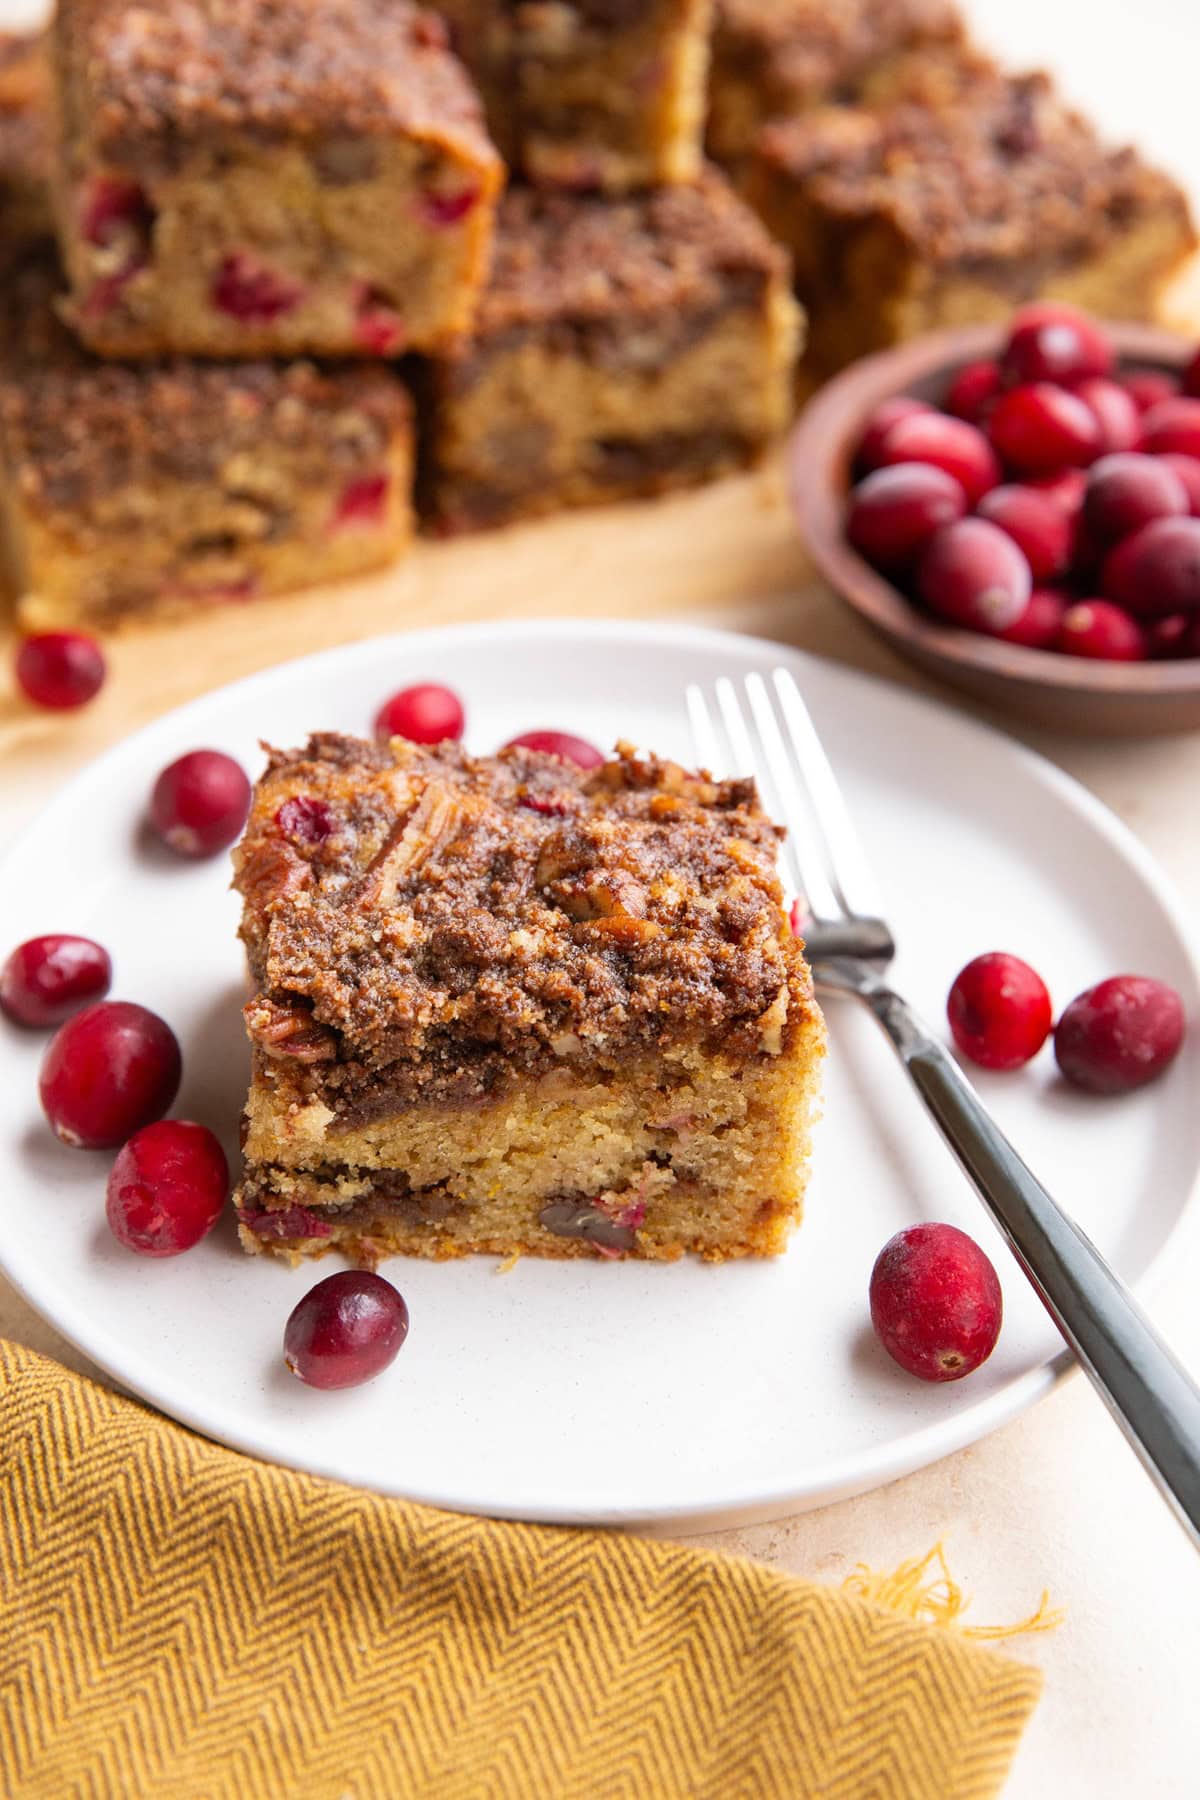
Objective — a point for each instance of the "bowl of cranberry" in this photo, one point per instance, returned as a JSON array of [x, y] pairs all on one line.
[[1017, 510]]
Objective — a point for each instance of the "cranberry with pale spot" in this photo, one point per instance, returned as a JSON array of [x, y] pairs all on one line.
[[109, 1070], [425, 713], [1039, 429], [1120, 1034], [961, 450], [936, 1303], [559, 743], [974, 575], [886, 414], [1157, 570], [895, 511], [1039, 625], [999, 1011], [46, 979], [1101, 631], [1041, 530], [200, 802], [345, 1331], [60, 670], [974, 388], [167, 1188], [1050, 341]]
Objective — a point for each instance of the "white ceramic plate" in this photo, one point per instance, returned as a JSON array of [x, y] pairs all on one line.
[[605, 1391]]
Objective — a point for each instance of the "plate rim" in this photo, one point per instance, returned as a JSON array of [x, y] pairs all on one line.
[[864, 1470]]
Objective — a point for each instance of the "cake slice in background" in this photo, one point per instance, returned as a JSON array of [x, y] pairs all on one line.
[[503, 1004]]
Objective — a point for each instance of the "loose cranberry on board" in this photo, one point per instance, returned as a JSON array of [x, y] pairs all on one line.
[[60, 670], [936, 1303], [46, 979]]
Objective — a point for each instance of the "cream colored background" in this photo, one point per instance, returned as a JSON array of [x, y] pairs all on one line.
[[1055, 1500]]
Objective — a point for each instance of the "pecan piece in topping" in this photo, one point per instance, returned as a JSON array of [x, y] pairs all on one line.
[[282, 1030]]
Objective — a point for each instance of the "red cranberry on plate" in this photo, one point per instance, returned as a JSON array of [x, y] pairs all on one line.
[[60, 670], [895, 511], [1039, 625], [167, 1188], [424, 714], [200, 802], [1146, 387], [345, 1330], [999, 1011], [1039, 429], [1118, 417], [936, 1303], [558, 743], [1127, 491], [950, 444], [1188, 470], [1120, 1034], [48, 978], [1039, 528], [886, 414], [109, 1070], [1157, 570], [1097, 629], [972, 391], [1049, 341], [1172, 427], [973, 575]]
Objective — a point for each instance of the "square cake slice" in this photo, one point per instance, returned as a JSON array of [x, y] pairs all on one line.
[[507, 1005], [143, 491], [954, 201], [623, 347], [772, 59], [590, 93], [269, 177]]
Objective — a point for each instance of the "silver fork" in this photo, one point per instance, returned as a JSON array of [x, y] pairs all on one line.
[[768, 733]]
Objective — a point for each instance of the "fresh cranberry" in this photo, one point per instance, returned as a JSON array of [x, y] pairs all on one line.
[[253, 292], [558, 743], [1120, 1034], [1170, 637], [1118, 418], [109, 1070], [444, 210], [886, 414], [378, 327], [974, 575], [1035, 524], [936, 1303], [999, 1011], [895, 511], [60, 669], [949, 444], [1172, 428], [1191, 377], [1052, 342], [424, 713], [362, 502], [345, 1330], [200, 802], [306, 820], [114, 208], [972, 391], [1040, 429], [1146, 387], [1099, 630], [1039, 625], [1065, 488], [167, 1188], [1157, 570], [46, 979], [1188, 470], [1127, 491]]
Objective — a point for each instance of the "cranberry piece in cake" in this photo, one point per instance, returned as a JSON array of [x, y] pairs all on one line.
[[510, 1003], [235, 174], [622, 347]]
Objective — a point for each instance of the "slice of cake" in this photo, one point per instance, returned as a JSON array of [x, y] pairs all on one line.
[[772, 59], [503, 1004], [590, 93], [143, 491], [269, 177], [622, 347], [958, 199]]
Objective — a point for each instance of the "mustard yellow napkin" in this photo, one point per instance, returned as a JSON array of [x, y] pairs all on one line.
[[176, 1619]]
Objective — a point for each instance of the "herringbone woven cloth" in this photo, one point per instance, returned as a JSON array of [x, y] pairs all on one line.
[[176, 1619]]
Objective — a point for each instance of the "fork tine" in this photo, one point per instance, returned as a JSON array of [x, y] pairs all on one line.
[[788, 803], [731, 756], [749, 759], [852, 877]]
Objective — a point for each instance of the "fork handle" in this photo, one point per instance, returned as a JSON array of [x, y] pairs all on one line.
[[1152, 1398]]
